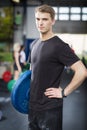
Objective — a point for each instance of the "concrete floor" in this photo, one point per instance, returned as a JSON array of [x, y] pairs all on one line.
[[74, 112]]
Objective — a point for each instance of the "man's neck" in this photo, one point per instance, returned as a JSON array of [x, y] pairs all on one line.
[[44, 37]]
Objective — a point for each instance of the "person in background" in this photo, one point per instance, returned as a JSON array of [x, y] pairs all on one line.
[[22, 57], [48, 57], [16, 57]]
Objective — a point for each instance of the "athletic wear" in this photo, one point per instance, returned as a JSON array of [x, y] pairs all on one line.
[[46, 120], [48, 59], [22, 57]]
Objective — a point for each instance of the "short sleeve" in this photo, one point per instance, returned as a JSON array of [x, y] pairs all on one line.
[[66, 55]]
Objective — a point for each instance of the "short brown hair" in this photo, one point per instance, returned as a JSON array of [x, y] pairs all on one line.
[[46, 9]]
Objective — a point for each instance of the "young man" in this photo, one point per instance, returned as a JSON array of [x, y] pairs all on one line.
[[48, 57]]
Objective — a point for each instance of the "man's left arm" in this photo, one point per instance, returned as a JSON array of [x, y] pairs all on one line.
[[80, 74]]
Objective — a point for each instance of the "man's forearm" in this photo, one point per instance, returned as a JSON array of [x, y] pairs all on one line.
[[76, 81]]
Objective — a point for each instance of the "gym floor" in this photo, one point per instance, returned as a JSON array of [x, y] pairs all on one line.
[[74, 111]]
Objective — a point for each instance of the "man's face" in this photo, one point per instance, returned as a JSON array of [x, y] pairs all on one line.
[[43, 22]]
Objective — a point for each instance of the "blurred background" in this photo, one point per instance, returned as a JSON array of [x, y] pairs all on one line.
[[17, 24]]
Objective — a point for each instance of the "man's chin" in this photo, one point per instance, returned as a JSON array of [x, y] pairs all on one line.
[[42, 32]]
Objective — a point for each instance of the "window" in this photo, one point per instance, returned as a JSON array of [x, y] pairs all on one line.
[[63, 17], [63, 10], [84, 17], [84, 14], [71, 13], [84, 10], [75, 10], [75, 17]]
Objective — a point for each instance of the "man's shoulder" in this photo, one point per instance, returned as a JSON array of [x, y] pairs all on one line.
[[33, 42], [59, 39]]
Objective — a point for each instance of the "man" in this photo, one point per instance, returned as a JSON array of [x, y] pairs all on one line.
[[48, 57]]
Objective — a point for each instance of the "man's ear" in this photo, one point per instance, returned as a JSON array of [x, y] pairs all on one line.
[[53, 22]]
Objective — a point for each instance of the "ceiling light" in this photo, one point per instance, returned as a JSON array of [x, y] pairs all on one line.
[[17, 1]]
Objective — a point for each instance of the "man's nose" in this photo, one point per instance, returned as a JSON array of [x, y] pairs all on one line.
[[41, 22]]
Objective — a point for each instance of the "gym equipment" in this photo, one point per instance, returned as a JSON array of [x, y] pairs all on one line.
[[26, 67], [7, 76], [10, 84], [20, 93]]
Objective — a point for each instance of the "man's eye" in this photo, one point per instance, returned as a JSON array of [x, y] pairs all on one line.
[[45, 19], [37, 19]]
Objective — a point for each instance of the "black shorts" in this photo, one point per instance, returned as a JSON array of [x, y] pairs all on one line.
[[46, 120], [22, 66], [15, 66]]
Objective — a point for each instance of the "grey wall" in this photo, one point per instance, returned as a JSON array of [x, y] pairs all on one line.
[[74, 27], [18, 33], [31, 30]]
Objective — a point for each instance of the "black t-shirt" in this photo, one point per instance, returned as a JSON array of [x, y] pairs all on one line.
[[48, 59]]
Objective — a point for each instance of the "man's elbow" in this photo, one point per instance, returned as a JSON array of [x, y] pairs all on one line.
[[84, 73]]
